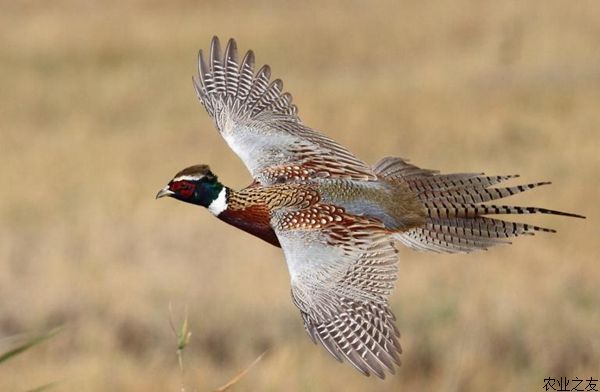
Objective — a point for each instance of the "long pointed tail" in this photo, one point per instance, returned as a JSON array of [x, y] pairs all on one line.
[[456, 220]]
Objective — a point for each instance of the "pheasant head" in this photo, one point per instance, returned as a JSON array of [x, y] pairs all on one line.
[[197, 185]]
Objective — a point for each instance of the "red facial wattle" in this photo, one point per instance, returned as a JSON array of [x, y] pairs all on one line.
[[182, 188]]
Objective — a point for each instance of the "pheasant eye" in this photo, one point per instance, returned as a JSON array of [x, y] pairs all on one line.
[[182, 188]]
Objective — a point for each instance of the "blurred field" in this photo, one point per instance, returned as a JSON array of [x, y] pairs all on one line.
[[97, 112]]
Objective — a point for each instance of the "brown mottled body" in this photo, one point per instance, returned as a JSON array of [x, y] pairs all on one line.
[[307, 207], [250, 209]]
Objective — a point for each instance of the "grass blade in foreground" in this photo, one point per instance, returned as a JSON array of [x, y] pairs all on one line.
[[240, 375], [43, 387], [28, 344]]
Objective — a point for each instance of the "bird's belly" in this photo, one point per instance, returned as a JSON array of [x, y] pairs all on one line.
[[254, 219]]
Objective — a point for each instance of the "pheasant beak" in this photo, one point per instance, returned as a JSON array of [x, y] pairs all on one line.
[[164, 192]]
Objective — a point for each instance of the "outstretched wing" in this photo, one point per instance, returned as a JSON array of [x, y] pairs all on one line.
[[342, 269], [261, 125]]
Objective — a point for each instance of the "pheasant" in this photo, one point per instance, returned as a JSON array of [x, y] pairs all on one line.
[[336, 218]]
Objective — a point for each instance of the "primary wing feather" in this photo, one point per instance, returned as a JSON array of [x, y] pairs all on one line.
[[261, 125]]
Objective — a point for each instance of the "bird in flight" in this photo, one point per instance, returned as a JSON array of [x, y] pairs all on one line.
[[336, 218]]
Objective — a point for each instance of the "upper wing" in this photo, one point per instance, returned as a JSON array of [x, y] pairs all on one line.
[[342, 270], [261, 125]]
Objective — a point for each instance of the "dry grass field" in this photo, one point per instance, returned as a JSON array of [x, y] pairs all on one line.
[[97, 112]]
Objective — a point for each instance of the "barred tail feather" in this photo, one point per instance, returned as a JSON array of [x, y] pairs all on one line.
[[225, 83], [468, 210], [456, 220]]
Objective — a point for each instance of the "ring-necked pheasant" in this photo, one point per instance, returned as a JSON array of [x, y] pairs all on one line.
[[335, 217]]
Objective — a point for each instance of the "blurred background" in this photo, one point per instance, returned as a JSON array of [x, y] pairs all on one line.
[[97, 112]]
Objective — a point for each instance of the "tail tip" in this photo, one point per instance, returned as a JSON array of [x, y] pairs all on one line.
[[575, 215]]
